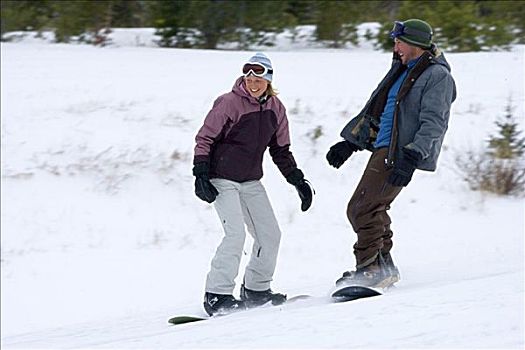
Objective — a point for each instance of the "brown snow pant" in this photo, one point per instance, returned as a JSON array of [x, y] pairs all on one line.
[[367, 210]]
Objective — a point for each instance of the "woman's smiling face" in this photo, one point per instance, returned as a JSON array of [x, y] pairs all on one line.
[[256, 86]]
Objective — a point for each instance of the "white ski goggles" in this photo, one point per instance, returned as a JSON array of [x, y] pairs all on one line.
[[255, 68]]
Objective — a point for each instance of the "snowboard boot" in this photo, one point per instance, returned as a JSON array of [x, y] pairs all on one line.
[[221, 304], [391, 268], [374, 275], [254, 298]]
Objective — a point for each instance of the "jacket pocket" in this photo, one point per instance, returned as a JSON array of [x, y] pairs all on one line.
[[364, 131]]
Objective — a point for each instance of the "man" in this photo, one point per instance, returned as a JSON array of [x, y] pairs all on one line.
[[403, 124]]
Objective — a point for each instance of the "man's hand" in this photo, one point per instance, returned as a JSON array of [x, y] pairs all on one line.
[[404, 168], [339, 153]]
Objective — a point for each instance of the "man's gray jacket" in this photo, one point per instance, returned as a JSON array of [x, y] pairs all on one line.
[[421, 114]]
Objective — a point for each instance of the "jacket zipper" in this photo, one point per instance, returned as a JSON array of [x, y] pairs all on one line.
[[412, 75], [389, 161]]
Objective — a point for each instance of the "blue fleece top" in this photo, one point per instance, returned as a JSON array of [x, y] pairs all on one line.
[[387, 118]]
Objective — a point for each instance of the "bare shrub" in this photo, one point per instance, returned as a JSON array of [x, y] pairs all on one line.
[[483, 172], [315, 133], [500, 167]]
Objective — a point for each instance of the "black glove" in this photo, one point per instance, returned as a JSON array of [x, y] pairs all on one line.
[[404, 168], [204, 189], [296, 178], [340, 152]]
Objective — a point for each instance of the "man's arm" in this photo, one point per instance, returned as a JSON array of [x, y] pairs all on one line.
[[435, 109]]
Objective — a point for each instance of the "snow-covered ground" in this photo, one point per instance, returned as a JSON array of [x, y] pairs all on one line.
[[103, 238]]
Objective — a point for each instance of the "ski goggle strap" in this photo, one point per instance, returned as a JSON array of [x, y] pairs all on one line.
[[255, 68], [400, 29]]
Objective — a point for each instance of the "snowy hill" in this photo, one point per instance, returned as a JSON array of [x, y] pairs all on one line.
[[103, 239]]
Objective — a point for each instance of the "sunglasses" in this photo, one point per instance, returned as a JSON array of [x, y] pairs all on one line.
[[256, 69], [400, 29]]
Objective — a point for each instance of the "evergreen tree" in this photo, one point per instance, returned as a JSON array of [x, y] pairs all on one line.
[[336, 22], [81, 18], [129, 14], [463, 26], [167, 17], [467, 25], [503, 22], [255, 19], [194, 23], [206, 23], [213, 19], [507, 144], [302, 11], [500, 168], [24, 15]]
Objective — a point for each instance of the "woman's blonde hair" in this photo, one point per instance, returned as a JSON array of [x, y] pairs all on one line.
[[271, 91]]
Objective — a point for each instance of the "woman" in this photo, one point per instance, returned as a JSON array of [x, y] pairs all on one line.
[[228, 168]]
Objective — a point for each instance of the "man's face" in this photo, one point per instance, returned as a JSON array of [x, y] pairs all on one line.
[[406, 51]]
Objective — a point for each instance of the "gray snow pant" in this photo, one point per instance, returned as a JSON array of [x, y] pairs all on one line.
[[238, 204]]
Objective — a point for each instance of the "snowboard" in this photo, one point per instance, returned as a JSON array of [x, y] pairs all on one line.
[[186, 319], [354, 292], [178, 320]]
